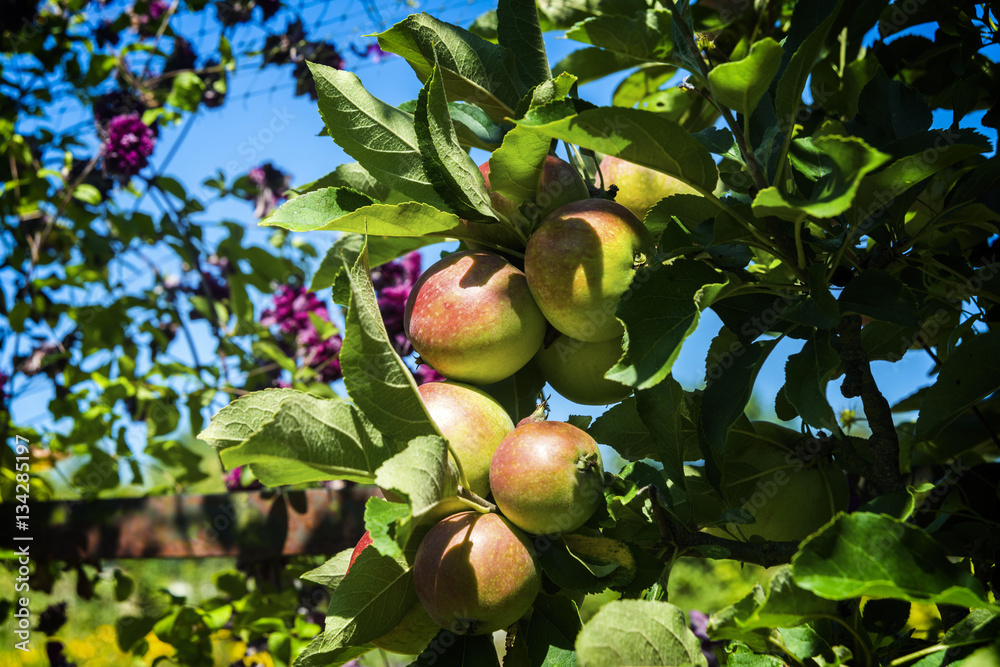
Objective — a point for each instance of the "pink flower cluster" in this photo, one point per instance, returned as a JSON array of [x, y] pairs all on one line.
[[393, 282], [290, 313], [127, 146]]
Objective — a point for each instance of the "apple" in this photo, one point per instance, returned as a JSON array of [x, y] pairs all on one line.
[[576, 370], [473, 422], [639, 188], [547, 477], [580, 261], [476, 573], [788, 496], [472, 318], [559, 184], [413, 632]]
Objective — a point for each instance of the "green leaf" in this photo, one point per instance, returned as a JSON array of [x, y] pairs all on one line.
[[381, 249], [310, 212], [454, 175], [317, 209], [644, 37], [518, 30], [370, 602], [377, 380], [807, 373], [474, 128], [290, 437], [87, 193], [661, 310], [881, 296], [643, 137], [663, 409], [314, 655], [420, 473], [641, 83], [879, 188], [878, 556], [516, 167], [450, 650], [552, 631], [740, 85], [473, 69], [332, 572], [851, 159], [593, 63], [638, 632], [379, 136], [623, 430], [729, 386], [969, 374], [785, 605], [794, 75], [350, 175], [186, 91]]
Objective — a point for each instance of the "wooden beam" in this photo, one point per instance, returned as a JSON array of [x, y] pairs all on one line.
[[248, 524]]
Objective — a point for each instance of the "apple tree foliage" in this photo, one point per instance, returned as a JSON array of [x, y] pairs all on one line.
[[830, 209]]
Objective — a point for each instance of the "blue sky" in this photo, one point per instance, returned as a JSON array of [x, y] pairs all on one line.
[[263, 125]]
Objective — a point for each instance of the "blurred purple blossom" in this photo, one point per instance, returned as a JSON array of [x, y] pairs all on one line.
[[267, 188], [372, 51], [3, 387], [699, 626], [127, 145], [290, 312], [393, 282], [425, 374], [233, 481]]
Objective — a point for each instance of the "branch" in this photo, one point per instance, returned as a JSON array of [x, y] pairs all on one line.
[[765, 554], [858, 381]]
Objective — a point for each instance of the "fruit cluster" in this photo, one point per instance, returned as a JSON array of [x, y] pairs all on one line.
[[477, 317]]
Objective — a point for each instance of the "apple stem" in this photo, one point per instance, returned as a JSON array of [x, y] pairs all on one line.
[[462, 479], [469, 494]]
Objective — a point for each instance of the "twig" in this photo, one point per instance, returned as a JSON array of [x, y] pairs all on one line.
[[765, 554], [859, 381]]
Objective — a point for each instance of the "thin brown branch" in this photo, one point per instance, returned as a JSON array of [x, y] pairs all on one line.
[[885, 476], [695, 543]]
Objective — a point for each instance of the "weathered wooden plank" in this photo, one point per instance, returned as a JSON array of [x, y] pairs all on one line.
[[251, 525]]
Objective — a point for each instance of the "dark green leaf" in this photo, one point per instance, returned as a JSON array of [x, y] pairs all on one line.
[[806, 376], [642, 137], [740, 85], [518, 30], [969, 374], [407, 219], [729, 386], [452, 172], [881, 296], [638, 632], [877, 556], [379, 136], [662, 309], [593, 63], [474, 70], [644, 37]]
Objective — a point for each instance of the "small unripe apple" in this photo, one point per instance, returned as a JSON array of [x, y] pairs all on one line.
[[473, 422], [413, 632], [576, 370], [559, 184], [476, 573], [472, 318], [580, 261], [789, 497], [639, 188], [547, 477]]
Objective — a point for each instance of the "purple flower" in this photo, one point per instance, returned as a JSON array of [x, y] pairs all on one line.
[[290, 312], [234, 481], [393, 282], [372, 51], [699, 626], [425, 374], [3, 384], [267, 188], [127, 146]]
